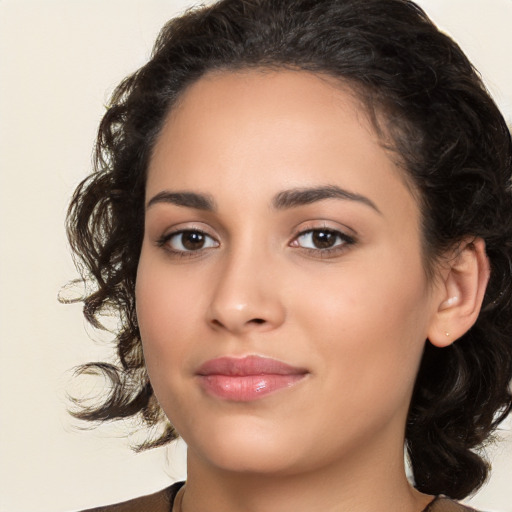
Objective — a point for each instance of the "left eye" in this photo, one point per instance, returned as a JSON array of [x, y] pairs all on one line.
[[321, 239], [190, 240]]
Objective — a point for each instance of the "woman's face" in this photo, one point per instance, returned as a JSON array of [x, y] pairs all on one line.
[[281, 297]]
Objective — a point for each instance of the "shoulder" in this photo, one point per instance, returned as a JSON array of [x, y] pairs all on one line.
[[443, 504], [160, 501]]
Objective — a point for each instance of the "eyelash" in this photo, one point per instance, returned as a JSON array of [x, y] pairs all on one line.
[[342, 241], [165, 239]]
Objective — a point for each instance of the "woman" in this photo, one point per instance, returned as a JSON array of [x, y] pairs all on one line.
[[301, 212]]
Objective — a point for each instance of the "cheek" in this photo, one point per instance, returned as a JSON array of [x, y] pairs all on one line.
[[167, 317], [167, 314], [370, 319]]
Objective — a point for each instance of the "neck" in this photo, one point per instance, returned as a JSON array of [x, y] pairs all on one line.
[[373, 481]]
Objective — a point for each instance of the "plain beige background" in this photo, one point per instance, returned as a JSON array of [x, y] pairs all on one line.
[[58, 61]]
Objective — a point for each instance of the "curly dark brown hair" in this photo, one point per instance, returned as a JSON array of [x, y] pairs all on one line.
[[453, 144]]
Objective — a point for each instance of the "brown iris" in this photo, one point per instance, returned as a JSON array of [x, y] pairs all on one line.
[[192, 240], [323, 239]]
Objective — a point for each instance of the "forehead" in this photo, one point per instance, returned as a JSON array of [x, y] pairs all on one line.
[[261, 129]]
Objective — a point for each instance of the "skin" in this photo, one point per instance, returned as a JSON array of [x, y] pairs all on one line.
[[355, 316]]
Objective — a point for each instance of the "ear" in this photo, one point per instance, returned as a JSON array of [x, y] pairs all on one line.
[[459, 292]]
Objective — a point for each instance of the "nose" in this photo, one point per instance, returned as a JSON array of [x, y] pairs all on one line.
[[246, 296]]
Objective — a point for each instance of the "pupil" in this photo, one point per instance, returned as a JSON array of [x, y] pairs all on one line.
[[323, 239], [192, 240]]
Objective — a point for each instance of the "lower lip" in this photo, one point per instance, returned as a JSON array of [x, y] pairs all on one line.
[[246, 388]]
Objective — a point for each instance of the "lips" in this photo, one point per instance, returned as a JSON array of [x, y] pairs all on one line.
[[248, 378]]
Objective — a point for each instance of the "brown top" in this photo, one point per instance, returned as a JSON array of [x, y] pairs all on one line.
[[162, 501], [443, 504]]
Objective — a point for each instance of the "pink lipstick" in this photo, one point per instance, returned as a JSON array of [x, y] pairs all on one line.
[[247, 378]]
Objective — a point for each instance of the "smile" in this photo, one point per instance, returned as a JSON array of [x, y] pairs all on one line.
[[248, 378]]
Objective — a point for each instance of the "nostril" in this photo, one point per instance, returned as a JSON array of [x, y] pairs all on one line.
[[254, 321]]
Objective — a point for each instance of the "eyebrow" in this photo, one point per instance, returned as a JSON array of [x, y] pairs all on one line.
[[284, 200], [186, 199], [303, 196]]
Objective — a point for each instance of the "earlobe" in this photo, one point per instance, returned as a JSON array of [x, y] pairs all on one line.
[[461, 292]]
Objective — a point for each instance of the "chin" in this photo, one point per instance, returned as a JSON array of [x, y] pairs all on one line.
[[245, 446]]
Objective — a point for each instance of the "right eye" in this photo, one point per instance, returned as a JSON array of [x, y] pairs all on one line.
[[187, 241]]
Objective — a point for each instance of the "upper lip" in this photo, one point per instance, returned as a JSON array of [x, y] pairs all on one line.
[[248, 365]]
